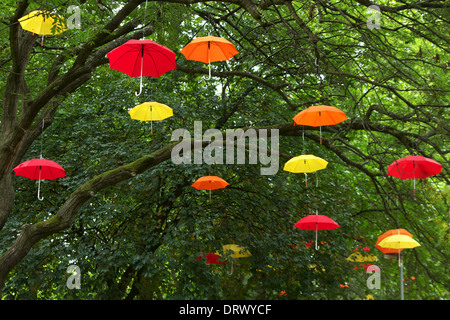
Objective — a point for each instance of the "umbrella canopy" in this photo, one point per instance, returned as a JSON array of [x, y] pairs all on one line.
[[43, 23], [211, 258], [399, 241], [209, 49], [387, 234], [318, 116], [316, 222], [414, 167], [151, 111], [209, 183], [235, 251], [142, 58], [306, 164], [40, 169]]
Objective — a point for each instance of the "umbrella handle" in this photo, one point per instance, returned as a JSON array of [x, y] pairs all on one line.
[[140, 85], [209, 72], [39, 188], [140, 89], [316, 246], [231, 270], [320, 128], [209, 61]]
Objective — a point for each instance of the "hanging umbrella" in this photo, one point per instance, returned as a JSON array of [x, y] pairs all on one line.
[[209, 49], [40, 169], [414, 167], [318, 116], [209, 183], [305, 163], [142, 58], [390, 252], [399, 241], [43, 23], [235, 251], [316, 222], [151, 111], [212, 258]]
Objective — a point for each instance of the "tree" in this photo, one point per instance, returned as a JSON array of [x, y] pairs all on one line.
[[123, 215]]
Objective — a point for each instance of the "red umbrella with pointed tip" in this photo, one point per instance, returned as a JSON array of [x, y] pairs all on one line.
[[414, 167], [40, 169], [316, 222], [142, 58]]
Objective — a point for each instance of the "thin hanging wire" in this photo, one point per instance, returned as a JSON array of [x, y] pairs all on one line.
[[145, 14], [42, 136], [142, 53]]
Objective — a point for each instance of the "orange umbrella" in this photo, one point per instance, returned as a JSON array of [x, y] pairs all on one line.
[[388, 234], [209, 183], [318, 116], [209, 49]]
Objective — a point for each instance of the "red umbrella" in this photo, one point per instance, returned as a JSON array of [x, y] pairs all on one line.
[[211, 258], [142, 58], [414, 167], [316, 222], [40, 169], [209, 183]]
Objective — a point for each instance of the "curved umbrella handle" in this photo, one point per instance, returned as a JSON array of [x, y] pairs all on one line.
[[231, 270], [140, 89], [140, 85], [39, 188], [209, 72]]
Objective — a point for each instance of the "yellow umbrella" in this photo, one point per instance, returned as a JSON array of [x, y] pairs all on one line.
[[305, 163], [399, 241], [151, 111], [235, 251], [43, 23]]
